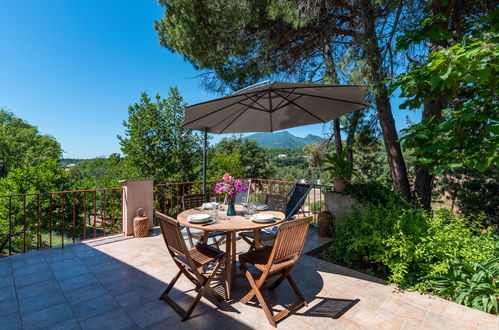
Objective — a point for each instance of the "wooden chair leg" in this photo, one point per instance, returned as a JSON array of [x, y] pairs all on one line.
[[172, 283], [203, 289], [296, 289], [189, 236], [255, 290], [215, 241], [246, 239], [279, 280]]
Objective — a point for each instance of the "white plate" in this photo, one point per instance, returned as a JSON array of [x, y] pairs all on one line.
[[199, 218], [209, 206], [261, 207], [262, 217]]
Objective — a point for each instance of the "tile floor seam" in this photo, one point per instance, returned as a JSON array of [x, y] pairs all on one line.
[[404, 318], [54, 325], [67, 303], [425, 317], [17, 300], [406, 302], [108, 292], [425, 313]]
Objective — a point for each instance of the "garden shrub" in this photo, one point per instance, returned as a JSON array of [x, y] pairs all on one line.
[[410, 247], [474, 285], [374, 193], [474, 192]]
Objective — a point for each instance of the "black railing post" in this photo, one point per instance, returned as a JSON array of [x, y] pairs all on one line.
[[205, 151]]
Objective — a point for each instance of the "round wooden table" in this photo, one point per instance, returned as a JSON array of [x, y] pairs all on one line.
[[231, 225]]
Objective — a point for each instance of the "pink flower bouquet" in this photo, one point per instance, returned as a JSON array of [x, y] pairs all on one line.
[[230, 187]]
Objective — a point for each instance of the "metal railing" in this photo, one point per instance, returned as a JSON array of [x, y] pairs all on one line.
[[168, 196], [45, 220]]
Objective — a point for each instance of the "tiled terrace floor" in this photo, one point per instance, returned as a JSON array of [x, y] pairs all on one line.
[[114, 283]]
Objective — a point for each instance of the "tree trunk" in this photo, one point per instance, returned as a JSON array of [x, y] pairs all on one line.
[[332, 78], [423, 184], [352, 128], [372, 55], [337, 137]]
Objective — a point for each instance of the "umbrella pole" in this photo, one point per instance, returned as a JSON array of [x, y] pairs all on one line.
[[205, 150]]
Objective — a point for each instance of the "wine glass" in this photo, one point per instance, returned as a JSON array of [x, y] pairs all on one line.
[[246, 210]]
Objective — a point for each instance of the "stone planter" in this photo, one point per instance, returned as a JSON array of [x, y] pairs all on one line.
[[338, 204]]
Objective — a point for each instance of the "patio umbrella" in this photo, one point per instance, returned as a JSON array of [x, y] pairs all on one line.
[[274, 107], [269, 107]]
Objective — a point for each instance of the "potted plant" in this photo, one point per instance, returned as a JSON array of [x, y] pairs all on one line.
[[340, 169], [229, 187]]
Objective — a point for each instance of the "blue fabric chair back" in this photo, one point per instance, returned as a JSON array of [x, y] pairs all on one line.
[[243, 197], [297, 199]]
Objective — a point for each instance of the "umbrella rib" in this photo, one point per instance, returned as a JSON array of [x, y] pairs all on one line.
[[237, 117], [243, 110], [331, 98], [318, 86], [278, 108], [222, 108], [279, 104], [225, 97], [301, 108], [252, 107], [256, 101]]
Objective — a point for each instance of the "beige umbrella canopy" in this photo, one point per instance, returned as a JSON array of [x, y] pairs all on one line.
[[274, 107], [269, 107]]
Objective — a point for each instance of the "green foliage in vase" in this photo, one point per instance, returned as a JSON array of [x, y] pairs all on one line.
[[155, 145], [464, 76], [339, 167], [472, 284]]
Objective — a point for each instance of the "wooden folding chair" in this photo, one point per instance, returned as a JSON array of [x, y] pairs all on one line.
[[197, 200], [289, 205], [275, 203], [191, 262], [274, 261]]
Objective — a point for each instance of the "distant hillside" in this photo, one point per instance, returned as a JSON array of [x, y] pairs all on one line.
[[66, 161], [283, 140]]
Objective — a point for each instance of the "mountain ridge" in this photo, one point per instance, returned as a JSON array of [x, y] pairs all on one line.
[[283, 140]]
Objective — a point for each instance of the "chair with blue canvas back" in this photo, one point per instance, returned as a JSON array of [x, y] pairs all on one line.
[[294, 199], [243, 197]]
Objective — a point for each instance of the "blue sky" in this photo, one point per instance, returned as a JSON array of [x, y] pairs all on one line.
[[72, 68]]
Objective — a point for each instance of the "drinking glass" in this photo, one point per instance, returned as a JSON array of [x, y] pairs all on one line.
[[246, 210], [214, 207], [251, 209], [215, 211]]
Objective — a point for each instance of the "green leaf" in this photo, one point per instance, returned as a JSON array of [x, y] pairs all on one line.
[[434, 81]]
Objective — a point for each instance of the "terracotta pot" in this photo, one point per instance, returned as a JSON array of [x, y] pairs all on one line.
[[324, 221], [339, 185]]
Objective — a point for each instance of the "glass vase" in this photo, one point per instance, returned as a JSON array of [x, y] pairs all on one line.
[[231, 210]]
